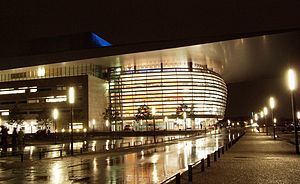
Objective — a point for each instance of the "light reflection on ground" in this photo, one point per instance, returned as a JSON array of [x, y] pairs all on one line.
[[141, 166]]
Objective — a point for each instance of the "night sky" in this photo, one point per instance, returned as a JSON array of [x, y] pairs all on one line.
[[164, 24]]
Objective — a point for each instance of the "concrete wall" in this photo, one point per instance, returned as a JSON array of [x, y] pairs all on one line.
[[97, 102]]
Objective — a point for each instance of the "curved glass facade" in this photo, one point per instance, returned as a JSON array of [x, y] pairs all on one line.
[[199, 93]]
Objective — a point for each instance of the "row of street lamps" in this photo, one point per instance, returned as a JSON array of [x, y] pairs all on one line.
[[292, 85]]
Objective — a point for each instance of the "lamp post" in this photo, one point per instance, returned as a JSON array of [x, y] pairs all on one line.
[[265, 115], [153, 115], [166, 122], [261, 117], [292, 87], [71, 102], [184, 117], [272, 106], [55, 116], [93, 122]]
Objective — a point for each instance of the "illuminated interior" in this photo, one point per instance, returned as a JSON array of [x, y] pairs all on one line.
[[202, 92]]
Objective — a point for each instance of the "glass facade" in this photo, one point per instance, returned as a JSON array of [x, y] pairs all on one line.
[[49, 71], [199, 93]]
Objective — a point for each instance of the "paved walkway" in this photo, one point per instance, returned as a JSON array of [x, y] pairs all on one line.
[[255, 158]]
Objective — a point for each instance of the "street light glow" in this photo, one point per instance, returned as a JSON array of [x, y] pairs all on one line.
[[153, 111], [255, 116], [272, 102], [265, 111], [261, 114], [298, 115], [55, 114], [71, 95], [292, 80]]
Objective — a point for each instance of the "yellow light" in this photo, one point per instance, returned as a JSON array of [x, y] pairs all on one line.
[[272, 102], [77, 130], [63, 130], [106, 123], [84, 130], [298, 115], [41, 72], [71, 95], [292, 80], [251, 121], [265, 111], [153, 111], [55, 114], [255, 117], [93, 121], [274, 120], [261, 114]]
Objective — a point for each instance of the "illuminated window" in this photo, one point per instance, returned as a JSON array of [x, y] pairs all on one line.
[[41, 72]]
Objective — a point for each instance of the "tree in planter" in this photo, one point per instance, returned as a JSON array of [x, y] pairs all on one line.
[[44, 119], [111, 115], [180, 110], [144, 113], [15, 116]]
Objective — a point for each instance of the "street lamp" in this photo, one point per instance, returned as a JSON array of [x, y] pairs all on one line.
[[265, 115], [184, 117], [55, 116], [166, 122], [274, 122], [93, 122], [261, 117], [255, 117], [153, 115], [292, 85], [71, 102], [272, 106], [31, 124]]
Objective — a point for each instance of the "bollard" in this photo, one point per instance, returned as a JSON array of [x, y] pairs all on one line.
[[81, 151], [229, 144], [40, 155], [215, 156], [60, 153], [22, 157], [222, 150], [178, 178], [226, 146], [202, 165], [208, 160], [190, 172], [219, 152]]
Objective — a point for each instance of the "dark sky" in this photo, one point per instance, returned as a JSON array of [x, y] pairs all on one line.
[[253, 67]]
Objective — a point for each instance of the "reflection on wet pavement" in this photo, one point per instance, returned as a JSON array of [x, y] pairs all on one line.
[[130, 166]]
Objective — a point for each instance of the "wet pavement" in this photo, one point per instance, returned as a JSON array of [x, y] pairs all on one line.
[[255, 158], [141, 165]]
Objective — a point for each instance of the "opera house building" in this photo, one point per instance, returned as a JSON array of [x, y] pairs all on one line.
[[178, 89]]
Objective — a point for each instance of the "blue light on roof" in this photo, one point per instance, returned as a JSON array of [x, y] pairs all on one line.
[[100, 42]]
